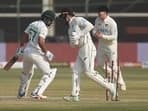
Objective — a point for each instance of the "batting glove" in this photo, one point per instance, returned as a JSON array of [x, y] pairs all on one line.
[[20, 51], [49, 55]]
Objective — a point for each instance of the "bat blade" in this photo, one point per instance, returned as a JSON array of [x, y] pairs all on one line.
[[10, 62]]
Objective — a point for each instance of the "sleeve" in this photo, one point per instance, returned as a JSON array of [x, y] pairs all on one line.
[[27, 29], [95, 28], [43, 32], [75, 30], [85, 26], [113, 34]]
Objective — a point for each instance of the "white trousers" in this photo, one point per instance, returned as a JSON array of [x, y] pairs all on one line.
[[109, 55], [85, 63], [31, 57]]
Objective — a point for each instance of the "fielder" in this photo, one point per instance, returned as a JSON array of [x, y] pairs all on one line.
[[35, 52], [79, 35], [105, 30]]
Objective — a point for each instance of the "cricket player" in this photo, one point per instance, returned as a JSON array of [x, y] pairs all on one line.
[[105, 30], [35, 52], [79, 35]]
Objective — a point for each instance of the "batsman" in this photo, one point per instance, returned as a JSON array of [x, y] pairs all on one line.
[[79, 35], [34, 51], [105, 30]]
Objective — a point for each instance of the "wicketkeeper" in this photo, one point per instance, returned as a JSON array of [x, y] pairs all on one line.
[[35, 52], [79, 35]]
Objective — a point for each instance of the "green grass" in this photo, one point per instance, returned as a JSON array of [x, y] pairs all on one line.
[[92, 95]]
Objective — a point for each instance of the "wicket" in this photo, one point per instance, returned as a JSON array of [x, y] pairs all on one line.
[[110, 78]]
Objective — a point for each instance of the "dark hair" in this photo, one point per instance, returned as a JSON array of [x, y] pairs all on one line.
[[103, 8], [68, 11]]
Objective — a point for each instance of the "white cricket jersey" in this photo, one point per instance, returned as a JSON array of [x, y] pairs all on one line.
[[80, 28], [35, 30], [108, 28]]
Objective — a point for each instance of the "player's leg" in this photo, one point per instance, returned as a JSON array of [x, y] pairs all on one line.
[[91, 73], [29, 79], [113, 58], [25, 76], [77, 69], [47, 78], [105, 55], [95, 76]]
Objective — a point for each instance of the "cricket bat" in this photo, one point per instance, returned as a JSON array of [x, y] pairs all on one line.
[[11, 62]]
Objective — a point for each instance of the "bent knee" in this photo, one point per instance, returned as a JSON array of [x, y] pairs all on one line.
[[89, 73]]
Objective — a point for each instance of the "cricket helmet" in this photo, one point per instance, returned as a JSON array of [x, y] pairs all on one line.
[[48, 16]]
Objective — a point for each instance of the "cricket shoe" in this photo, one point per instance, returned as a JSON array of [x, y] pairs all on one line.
[[123, 87], [72, 98], [21, 91], [113, 91], [38, 97]]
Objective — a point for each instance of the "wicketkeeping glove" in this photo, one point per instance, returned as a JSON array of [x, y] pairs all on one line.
[[74, 39], [75, 36], [49, 55], [20, 51]]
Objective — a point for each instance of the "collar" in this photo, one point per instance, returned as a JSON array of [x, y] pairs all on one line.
[[105, 20], [71, 19]]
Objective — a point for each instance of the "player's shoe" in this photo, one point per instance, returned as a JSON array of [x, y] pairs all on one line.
[[21, 91], [71, 98], [123, 87], [113, 91], [39, 97]]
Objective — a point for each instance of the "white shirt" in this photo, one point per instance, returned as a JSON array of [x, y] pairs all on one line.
[[108, 28], [35, 30], [79, 28]]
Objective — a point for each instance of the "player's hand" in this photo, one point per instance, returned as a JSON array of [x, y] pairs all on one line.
[[20, 51], [75, 36], [98, 35], [73, 39], [49, 55]]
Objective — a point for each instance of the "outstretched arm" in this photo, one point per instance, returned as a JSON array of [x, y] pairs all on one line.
[[41, 42]]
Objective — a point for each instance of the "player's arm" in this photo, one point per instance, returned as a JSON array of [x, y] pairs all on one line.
[[48, 54], [98, 34], [87, 26], [82, 24], [74, 34], [94, 31], [41, 42], [41, 39], [74, 37], [25, 36], [42, 45], [19, 52], [25, 39]]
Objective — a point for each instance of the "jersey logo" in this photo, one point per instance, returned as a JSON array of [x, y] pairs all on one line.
[[99, 24], [106, 25]]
